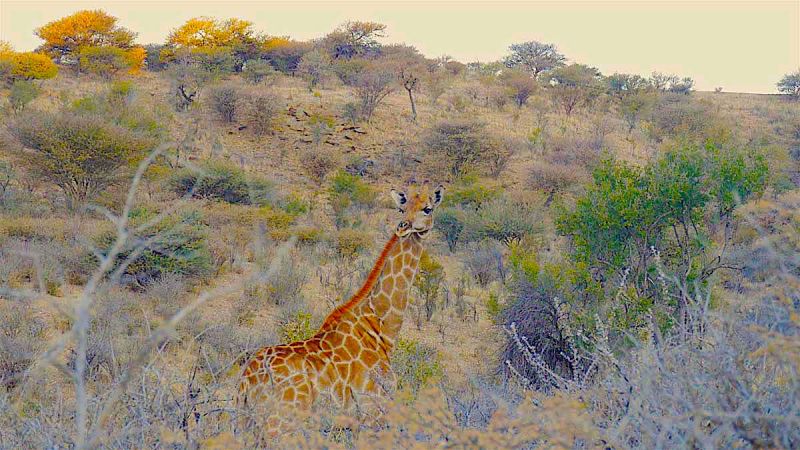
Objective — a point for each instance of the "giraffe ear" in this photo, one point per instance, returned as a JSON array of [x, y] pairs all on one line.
[[438, 193], [399, 198]]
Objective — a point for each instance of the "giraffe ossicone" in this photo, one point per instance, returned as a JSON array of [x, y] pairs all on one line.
[[351, 350]]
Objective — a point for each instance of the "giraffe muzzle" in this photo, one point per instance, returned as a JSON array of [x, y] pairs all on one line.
[[403, 226]]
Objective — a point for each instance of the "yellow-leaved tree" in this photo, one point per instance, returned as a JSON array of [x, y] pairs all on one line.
[[204, 35], [94, 39], [24, 66], [32, 66]]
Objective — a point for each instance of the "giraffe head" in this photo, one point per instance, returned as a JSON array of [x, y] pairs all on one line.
[[417, 204]]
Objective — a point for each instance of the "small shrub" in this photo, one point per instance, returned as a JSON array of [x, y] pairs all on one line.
[[555, 178], [223, 100], [225, 182], [298, 328], [351, 242], [258, 111], [21, 337], [257, 71], [428, 282], [504, 220], [415, 365], [22, 93], [352, 112], [485, 262], [460, 145], [450, 223], [493, 306], [175, 245], [319, 163]]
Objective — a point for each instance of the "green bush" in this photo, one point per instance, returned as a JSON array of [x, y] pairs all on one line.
[[415, 365], [504, 220], [225, 182], [428, 284], [81, 154], [176, 244], [450, 224], [298, 328], [634, 222], [349, 193], [257, 71], [22, 92]]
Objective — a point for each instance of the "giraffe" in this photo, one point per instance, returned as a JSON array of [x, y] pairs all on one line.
[[350, 352]]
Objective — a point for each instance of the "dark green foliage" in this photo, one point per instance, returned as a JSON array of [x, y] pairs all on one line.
[[450, 223], [175, 244], [220, 181], [629, 213], [349, 192]]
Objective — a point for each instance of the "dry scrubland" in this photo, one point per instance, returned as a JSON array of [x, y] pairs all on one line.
[[621, 272]]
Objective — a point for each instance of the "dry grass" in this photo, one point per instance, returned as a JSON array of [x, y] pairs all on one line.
[[114, 367]]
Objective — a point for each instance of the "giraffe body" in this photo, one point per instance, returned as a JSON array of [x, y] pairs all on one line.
[[350, 353]]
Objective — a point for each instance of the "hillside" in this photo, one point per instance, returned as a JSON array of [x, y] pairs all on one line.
[[610, 267]]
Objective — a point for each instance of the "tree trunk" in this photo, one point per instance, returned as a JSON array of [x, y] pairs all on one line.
[[413, 106]]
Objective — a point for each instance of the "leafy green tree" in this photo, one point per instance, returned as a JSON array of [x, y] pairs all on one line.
[[574, 86], [630, 214], [534, 57], [82, 154], [790, 85]]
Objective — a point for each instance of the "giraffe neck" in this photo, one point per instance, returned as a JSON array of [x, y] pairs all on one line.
[[389, 298], [385, 291]]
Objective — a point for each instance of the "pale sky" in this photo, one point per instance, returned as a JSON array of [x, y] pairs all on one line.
[[742, 46]]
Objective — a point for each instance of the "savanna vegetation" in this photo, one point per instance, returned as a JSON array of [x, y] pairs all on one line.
[[614, 265]]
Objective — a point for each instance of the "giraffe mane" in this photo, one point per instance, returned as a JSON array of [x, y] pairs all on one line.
[[362, 293]]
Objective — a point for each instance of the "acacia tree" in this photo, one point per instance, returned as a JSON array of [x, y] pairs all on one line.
[[790, 85], [355, 38], [574, 86], [534, 57], [519, 84], [81, 154], [410, 67], [372, 85], [315, 65], [237, 35], [92, 28], [634, 94]]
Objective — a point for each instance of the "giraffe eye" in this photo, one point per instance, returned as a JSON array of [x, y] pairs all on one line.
[[427, 210]]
